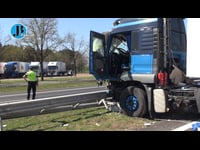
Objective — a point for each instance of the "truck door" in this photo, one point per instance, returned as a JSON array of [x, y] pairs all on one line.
[[97, 56]]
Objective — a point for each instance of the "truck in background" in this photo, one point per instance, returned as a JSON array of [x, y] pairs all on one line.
[[136, 59], [56, 68], [2, 68], [36, 66], [15, 69]]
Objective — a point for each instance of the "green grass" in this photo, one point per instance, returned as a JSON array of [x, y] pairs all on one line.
[[87, 119], [19, 85]]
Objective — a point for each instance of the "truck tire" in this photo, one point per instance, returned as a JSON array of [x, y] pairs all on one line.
[[133, 102]]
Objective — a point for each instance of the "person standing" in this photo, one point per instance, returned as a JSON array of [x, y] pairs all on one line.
[[31, 78]]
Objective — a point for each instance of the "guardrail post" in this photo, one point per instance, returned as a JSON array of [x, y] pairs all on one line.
[[1, 125]]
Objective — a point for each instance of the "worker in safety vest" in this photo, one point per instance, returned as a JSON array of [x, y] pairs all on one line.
[[31, 78]]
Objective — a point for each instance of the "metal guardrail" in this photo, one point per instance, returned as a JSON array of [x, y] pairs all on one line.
[[26, 108]]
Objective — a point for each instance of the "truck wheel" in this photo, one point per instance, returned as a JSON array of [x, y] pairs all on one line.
[[133, 102]]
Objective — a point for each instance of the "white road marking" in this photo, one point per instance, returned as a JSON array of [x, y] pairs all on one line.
[[51, 91], [185, 127]]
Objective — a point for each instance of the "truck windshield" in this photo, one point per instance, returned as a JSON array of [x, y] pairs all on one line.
[[10, 67], [35, 67], [118, 45], [52, 67]]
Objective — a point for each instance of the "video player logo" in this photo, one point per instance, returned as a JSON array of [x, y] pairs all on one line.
[[18, 31]]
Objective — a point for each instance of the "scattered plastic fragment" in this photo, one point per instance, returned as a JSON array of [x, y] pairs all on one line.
[[147, 124], [65, 125], [97, 124]]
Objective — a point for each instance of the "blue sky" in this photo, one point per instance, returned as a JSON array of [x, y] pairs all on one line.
[[80, 26]]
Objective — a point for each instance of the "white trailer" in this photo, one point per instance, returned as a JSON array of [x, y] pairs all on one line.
[[2, 68], [56, 68], [36, 66], [193, 47]]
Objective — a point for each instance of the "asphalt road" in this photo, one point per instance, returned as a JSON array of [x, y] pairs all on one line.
[[173, 121], [50, 93]]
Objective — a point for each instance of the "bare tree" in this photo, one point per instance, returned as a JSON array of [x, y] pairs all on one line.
[[4, 40], [42, 34], [76, 46]]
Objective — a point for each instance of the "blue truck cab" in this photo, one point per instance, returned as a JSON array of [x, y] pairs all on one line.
[[132, 56]]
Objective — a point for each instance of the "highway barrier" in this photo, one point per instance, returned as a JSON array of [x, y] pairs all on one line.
[[25, 108]]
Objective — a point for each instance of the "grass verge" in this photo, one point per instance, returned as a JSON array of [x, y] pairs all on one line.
[[90, 119]]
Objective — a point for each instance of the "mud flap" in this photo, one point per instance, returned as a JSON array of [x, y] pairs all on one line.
[[159, 101]]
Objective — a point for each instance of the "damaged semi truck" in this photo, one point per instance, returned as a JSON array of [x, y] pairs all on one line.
[[137, 59]]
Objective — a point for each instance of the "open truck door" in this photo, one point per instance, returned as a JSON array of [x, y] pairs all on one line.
[[97, 56]]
